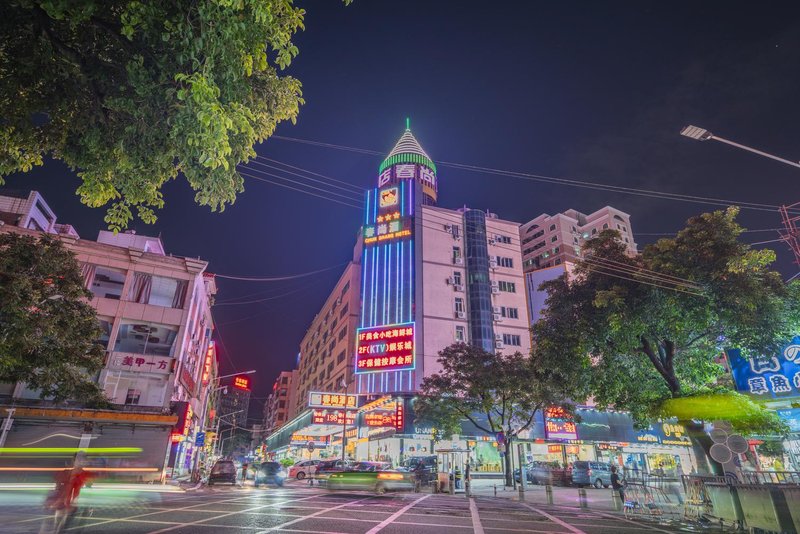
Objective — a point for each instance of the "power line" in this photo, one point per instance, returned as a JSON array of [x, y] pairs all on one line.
[[765, 242], [647, 277], [327, 183], [743, 231], [299, 190], [562, 181], [357, 188], [599, 271], [677, 279], [279, 278], [349, 197]]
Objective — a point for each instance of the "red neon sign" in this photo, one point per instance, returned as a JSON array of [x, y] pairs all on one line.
[[210, 353], [332, 417], [385, 348], [241, 382]]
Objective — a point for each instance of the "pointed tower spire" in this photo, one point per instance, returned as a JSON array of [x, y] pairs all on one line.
[[409, 161]]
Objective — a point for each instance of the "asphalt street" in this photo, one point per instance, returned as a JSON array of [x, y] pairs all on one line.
[[298, 508]]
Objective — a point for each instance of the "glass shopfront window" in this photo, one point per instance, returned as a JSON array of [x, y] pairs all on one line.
[[146, 338], [107, 282]]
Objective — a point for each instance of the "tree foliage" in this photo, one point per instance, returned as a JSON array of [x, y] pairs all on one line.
[[495, 392], [47, 329], [649, 328], [132, 93]]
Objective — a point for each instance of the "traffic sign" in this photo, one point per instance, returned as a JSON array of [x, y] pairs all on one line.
[[199, 439], [310, 446]]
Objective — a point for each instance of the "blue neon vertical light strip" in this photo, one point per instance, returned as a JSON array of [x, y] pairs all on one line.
[[366, 212], [365, 257], [388, 300], [398, 283], [373, 276]]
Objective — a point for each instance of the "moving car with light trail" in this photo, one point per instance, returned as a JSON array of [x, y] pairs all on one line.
[[378, 481], [301, 470], [270, 473]]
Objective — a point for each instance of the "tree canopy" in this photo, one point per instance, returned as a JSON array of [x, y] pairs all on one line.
[[48, 331], [130, 93], [495, 392], [649, 328]]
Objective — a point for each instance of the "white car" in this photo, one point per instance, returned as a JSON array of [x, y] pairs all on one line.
[[301, 470]]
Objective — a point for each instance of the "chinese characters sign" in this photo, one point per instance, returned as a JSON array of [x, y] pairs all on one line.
[[558, 424], [385, 348], [664, 433], [141, 363], [387, 227], [332, 417], [241, 382], [791, 417], [774, 377], [317, 399], [302, 439], [208, 363], [380, 418]]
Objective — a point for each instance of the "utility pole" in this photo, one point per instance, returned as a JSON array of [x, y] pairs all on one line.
[[7, 422]]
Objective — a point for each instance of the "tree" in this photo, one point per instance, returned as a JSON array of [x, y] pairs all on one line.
[[48, 331], [649, 328], [133, 93], [495, 392]]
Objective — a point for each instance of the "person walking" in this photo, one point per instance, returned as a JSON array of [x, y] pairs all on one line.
[[617, 485]]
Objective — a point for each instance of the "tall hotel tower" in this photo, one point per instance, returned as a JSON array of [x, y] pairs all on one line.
[[431, 277]]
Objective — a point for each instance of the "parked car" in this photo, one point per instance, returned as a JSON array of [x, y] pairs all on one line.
[[269, 473], [224, 471], [301, 470], [424, 468], [324, 469], [378, 481], [370, 466], [595, 474], [537, 473]]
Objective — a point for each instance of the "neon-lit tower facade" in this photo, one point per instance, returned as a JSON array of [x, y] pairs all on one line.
[[385, 360]]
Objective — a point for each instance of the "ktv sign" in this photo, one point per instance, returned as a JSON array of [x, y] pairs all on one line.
[[776, 377]]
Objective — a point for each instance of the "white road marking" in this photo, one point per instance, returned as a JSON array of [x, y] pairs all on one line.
[[310, 516], [199, 521], [554, 519], [380, 526], [476, 518]]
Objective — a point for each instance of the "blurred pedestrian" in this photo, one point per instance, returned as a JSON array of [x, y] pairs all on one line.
[[61, 501], [617, 484]]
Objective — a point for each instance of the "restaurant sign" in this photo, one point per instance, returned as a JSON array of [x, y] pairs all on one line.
[[385, 348]]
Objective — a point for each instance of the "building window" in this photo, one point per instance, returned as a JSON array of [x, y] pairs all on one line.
[[461, 334], [503, 239], [457, 278], [132, 397], [554, 239], [344, 310], [552, 227], [107, 282], [105, 326], [340, 357], [460, 305], [511, 313], [594, 231], [158, 290], [146, 338], [504, 262], [342, 333], [605, 226], [508, 287], [556, 250], [512, 340], [558, 262], [345, 288], [456, 254]]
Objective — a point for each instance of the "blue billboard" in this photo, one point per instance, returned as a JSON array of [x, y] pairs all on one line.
[[773, 377], [791, 416]]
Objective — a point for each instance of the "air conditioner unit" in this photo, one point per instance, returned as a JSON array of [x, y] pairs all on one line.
[[497, 317], [499, 344], [448, 227], [492, 241], [461, 315], [495, 290], [496, 309], [492, 263], [498, 337], [458, 261], [450, 281], [458, 287]]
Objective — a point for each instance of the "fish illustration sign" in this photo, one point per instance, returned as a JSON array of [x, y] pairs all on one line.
[[768, 377]]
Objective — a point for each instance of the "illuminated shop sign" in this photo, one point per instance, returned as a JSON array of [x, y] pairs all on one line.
[[558, 424], [302, 439], [664, 434], [319, 399], [385, 348], [776, 377], [388, 227], [332, 417], [141, 363], [209, 361], [389, 197], [241, 382], [380, 418]]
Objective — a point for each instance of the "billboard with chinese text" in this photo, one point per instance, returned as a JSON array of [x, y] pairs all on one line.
[[773, 377], [320, 399], [385, 348], [558, 424]]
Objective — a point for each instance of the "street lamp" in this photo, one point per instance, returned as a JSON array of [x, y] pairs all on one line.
[[236, 374], [701, 134]]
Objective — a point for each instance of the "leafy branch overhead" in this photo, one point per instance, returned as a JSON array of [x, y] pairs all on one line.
[[131, 94], [650, 328]]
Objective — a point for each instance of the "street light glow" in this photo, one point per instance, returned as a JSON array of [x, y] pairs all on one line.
[[695, 132]]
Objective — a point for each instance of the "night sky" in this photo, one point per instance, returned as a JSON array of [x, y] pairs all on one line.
[[593, 91]]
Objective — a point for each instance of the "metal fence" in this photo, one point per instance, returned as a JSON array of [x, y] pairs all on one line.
[[771, 477]]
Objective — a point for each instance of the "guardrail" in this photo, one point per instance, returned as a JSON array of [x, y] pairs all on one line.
[[771, 477]]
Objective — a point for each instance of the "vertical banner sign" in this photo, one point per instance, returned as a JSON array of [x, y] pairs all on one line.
[[385, 348]]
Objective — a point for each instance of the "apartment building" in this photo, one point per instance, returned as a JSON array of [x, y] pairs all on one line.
[[550, 240]]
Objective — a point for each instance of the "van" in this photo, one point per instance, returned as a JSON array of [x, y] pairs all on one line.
[[595, 474]]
